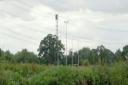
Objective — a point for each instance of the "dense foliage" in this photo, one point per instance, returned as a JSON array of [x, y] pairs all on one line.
[[51, 51], [32, 74], [23, 56]]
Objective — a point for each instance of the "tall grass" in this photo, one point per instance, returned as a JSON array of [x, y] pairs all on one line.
[[32, 74]]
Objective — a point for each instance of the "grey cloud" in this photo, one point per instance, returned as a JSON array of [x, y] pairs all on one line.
[[15, 8], [63, 5], [22, 8], [84, 30], [108, 6]]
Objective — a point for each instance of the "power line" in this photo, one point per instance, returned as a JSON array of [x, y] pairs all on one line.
[[76, 37], [17, 38], [19, 34], [24, 7], [26, 3], [78, 54], [66, 23], [112, 30], [72, 53], [34, 29]]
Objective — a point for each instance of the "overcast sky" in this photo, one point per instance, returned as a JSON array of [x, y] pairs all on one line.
[[23, 23]]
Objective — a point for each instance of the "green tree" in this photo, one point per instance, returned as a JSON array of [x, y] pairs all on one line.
[[105, 55], [118, 55], [94, 59], [25, 56], [51, 49], [1, 52], [125, 52], [70, 57], [75, 57], [8, 56], [84, 55]]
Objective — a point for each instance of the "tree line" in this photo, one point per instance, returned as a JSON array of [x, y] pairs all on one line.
[[51, 51]]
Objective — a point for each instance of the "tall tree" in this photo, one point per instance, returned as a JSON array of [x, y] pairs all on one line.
[[105, 55], [70, 57], [8, 56], [118, 55], [51, 49], [94, 59], [25, 56], [125, 52], [84, 55], [1, 52]]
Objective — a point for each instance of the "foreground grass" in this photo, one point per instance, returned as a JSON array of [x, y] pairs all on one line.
[[32, 74]]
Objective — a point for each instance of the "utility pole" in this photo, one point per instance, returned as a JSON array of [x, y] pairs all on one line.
[[72, 53], [78, 55], [56, 18], [66, 23]]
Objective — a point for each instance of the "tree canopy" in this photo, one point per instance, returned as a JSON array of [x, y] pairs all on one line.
[[51, 49]]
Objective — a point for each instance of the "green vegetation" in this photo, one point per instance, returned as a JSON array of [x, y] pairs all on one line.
[[32, 74], [98, 66], [51, 50]]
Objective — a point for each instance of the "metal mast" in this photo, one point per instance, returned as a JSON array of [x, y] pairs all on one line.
[[72, 53], [78, 54], [56, 18], [66, 23]]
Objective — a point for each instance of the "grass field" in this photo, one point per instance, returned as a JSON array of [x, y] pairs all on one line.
[[32, 74]]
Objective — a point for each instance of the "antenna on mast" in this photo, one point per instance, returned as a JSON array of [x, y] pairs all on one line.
[[56, 18]]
